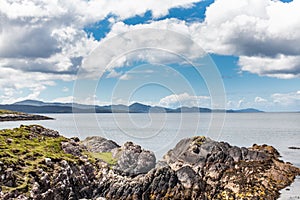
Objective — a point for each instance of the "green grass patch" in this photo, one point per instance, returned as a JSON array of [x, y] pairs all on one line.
[[9, 112], [105, 156], [25, 152]]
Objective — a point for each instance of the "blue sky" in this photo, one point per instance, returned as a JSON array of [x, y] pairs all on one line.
[[59, 51]]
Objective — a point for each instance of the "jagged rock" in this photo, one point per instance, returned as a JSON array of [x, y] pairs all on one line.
[[197, 168], [72, 147], [228, 170], [156, 184], [271, 151], [202, 152], [37, 129], [132, 160], [160, 164], [75, 139], [48, 161], [189, 178], [99, 144]]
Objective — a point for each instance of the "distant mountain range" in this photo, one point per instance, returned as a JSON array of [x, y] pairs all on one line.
[[33, 106]]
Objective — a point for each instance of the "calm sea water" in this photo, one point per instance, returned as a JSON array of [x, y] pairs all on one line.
[[160, 132]]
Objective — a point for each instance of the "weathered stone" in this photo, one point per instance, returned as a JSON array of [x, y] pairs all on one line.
[[188, 178], [271, 151], [132, 160], [99, 144], [72, 147], [197, 168], [48, 162], [9, 140], [37, 129]]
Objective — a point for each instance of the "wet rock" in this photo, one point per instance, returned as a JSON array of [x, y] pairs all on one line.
[[269, 150], [294, 148]]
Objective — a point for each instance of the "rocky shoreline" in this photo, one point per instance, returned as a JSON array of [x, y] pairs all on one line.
[[37, 163], [19, 116]]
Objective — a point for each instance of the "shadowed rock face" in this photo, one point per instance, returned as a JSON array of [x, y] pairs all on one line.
[[196, 168]]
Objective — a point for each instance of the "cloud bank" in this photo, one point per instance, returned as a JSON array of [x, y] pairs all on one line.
[[262, 34], [46, 39]]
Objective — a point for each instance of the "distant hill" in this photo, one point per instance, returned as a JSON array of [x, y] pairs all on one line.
[[30, 103], [192, 110], [247, 110], [33, 106], [139, 108]]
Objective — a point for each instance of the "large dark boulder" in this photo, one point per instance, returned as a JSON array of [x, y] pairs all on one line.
[[201, 151], [229, 171]]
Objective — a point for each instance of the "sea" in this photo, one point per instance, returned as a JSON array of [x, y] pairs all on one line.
[[160, 132]]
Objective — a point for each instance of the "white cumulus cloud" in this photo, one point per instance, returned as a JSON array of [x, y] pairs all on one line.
[[287, 99], [263, 33], [260, 100], [47, 37], [46, 40], [184, 99], [163, 42]]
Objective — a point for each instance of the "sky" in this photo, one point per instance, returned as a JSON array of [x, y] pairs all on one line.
[[218, 54]]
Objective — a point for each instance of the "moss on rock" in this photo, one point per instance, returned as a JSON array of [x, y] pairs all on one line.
[[23, 152], [37, 163], [26, 150]]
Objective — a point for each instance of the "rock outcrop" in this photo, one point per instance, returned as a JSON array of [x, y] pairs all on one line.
[[232, 172], [7, 115], [37, 163], [99, 144], [133, 160]]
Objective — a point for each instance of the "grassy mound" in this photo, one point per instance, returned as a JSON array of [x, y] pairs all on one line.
[[23, 152], [9, 112]]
